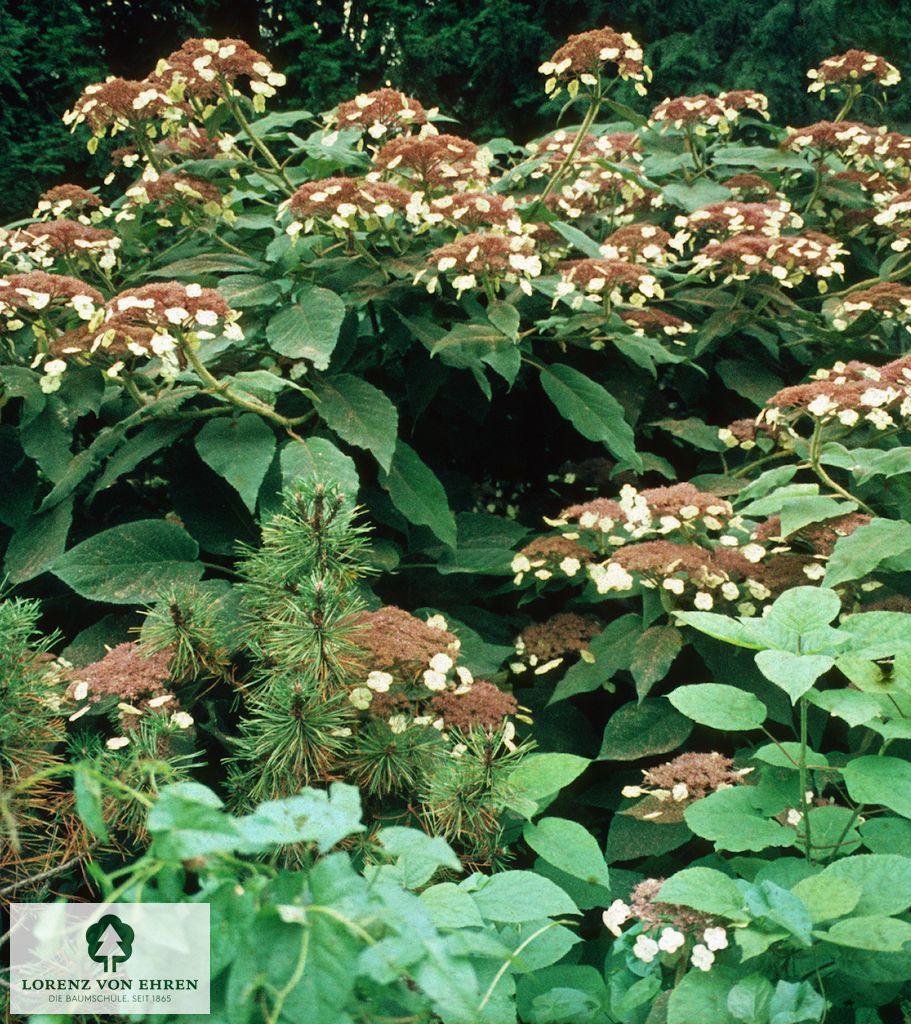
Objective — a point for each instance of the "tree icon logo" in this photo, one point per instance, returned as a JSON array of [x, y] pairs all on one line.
[[109, 941]]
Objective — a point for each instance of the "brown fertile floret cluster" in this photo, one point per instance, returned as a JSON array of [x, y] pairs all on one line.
[[396, 641], [117, 103], [37, 289], [660, 559], [821, 538], [432, 161], [852, 66], [482, 252], [61, 238], [645, 243], [653, 321], [482, 706], [889, 299], [561, 634], [204, 66], [645, 907], [380, 112], [343, 197], [63, 199], [126, 672], [610, 277], [169, 189], [473, 210], [192, 141], [701, 774], [787, 259], [587, 52], [734, 218], [749, 186]]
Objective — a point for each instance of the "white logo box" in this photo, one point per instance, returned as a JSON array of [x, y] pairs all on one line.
[[109, 958]]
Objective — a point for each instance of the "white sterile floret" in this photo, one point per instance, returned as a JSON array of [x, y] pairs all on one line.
[[671, 940], [434, 680], [645, 949], [715, 938], [702, 957], [181, 719], [441, 663], [379, 682], [617, 913], [360, 697]]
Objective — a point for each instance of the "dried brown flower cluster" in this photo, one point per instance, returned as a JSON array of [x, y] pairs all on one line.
[[433, 162], [855, 143], [117, 104], [789, 260], [167, 189], [564, 633], [889, 300], [849, 68], [43, 243], [614, 279], [66, 200], [346, 203], [473, 210], [398, 642], [22, 294], [819, 538], [380, 113], [204, 68], [693, 776], [544, 556], [749, 187], [126, 672], [654, 322], [582, 59], [849, 393], [637, 243], [734, 218], [483, 706], [702, 112], [486, 258]]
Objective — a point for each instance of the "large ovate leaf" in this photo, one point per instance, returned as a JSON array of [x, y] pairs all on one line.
[[239, 450], [867, 547], [719, 706], [316, 460], [704, 889], [130, 564], [360, 414], [309, 329], [517, 896], [591, 409], [569, 847], [653, 656], [417, 493], [880, 780], [732, 822], [641, 730], [794, 673]]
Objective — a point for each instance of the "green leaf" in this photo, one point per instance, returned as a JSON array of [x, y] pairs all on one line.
[[705, 889], [796, 1003], [418, 855], [451, 907], [748, 1001], [886, 835], [592, 410], [653, 656], [316, 460], [313, 816], [740, 632], [517, 896], [719, 706], [150, 439], [730, 820], [539, 777], [693, 197], [417, 493], [38, 542], [611, 650], [360, 414], [884, 881], [246, 290], [858, 554], [130, 564], [641, 730], [87, 791], [310, 328], [188, 820], [797, 513], [240, 450], [778, 906], [569, 847], [880, 780], [750, 379], [878, 934], [701, 997], [827, 896], [852, 706], [794, 673], [694, 432]]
